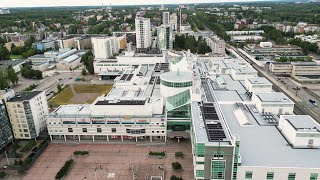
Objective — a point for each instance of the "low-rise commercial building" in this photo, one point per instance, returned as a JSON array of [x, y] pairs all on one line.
[[309, 38], [68, 63], [27, 112], [301, 71], [269, 49], [15, 64], [67, 43], [45, 44]]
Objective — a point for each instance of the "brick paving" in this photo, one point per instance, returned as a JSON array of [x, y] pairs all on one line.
[[111, 161]]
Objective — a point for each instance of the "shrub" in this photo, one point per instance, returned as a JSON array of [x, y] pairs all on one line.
[[63, 171], [173, 177], [81, 153], [26, 162], [43, 143], [2, 174], [16, 146], [157, 153], [84, 72], [179, 154], [28, 146], [21, 171], [176, 166]]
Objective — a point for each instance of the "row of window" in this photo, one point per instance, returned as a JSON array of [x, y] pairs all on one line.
[[114, 130], [176, 84], [270, 175], [108, 122], [112, 65]]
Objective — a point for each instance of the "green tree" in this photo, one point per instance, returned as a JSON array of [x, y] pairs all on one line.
[[87, 59], [3, 80], [12, 75], [4, 53], [92, 21], [59, 87], [29, 73]]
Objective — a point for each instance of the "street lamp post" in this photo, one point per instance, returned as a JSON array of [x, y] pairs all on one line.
[[5, 152]]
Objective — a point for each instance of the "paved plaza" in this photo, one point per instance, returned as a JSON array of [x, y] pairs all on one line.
[[112, 161]]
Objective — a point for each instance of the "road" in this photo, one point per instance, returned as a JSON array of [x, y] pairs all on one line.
[[48, 84], [302, 104]]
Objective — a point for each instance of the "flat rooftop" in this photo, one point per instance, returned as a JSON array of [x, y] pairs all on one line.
[[177, 76], [261, 142], [302, 122], [201, 131], [37, 56], [275, 97], [4, 64], [265, 145], [121, 102], [73, 109], [25, 96], [259, 80]]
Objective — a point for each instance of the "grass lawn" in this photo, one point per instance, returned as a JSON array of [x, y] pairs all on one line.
[[101, 89], [62, 98], [15, 56]]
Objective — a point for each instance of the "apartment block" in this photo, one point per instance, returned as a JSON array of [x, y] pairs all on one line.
[[104, 47], [165, 37], [27, 112], [165, 18], [217, 45], [143, 33]]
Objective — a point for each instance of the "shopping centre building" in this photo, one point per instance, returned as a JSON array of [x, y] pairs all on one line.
[[239, 127]]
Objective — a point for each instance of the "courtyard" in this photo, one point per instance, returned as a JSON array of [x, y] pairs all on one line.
[[113, 161], [79, 94]]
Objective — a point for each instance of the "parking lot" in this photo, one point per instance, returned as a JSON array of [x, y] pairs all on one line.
[[112, 161]]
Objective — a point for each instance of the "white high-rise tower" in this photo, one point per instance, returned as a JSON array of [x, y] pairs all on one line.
[[143, 32], [165, 18]]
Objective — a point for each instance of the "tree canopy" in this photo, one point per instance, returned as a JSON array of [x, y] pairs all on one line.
[[30, 73], [185, 42], [87, 59]]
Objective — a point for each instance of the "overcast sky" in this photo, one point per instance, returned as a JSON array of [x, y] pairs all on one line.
[[42, 3]]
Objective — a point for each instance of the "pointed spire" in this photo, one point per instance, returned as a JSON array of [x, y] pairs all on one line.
[[178, 72]]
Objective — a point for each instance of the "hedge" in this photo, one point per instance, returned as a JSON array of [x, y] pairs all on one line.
[[28, 146], [2, 174], [157, 153], [82, 153], [63, 171], [43, 143], [173, 177]]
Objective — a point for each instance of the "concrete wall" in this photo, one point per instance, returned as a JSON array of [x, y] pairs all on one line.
[[287, 130], [274, 108]]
